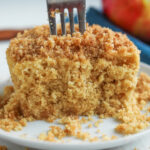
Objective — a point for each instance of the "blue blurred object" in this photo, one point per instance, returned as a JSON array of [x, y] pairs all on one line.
[[96, 17]]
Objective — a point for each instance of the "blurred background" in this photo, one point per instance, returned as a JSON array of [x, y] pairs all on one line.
[[28, 13], [131, 15]]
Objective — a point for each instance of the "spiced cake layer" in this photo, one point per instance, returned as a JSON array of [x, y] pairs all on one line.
[[55, 76]]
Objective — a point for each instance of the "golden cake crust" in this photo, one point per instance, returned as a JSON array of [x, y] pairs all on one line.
[[95, 42]]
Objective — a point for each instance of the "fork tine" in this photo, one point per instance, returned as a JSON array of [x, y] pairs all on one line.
[[52, 20], [63, 26], [71, 20], [52, 23], [61, 5], [81, 17]]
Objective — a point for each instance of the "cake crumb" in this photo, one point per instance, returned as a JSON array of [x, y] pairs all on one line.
[[83, 120], [82, 135], [56, 11], [148, 109], [90, 125], [143, 89], [105, 137], [148, 119], [113, 137], [101, 116], [94, 139], [68, 119], [90, 118], [47, 137], [9, 124], [72, 127], [96, 124], [100, 121], [98, 131], [57, 132]]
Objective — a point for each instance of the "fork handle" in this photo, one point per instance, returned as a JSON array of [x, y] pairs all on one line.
[[8, 34]]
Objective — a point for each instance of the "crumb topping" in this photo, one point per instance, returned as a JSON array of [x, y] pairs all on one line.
[[96, 42]]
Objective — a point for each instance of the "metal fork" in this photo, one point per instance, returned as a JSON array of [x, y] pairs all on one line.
[[54, 6]]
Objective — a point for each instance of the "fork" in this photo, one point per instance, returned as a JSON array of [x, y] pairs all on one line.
[[55, 6]]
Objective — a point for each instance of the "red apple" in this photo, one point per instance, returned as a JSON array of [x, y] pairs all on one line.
[[131, 15]]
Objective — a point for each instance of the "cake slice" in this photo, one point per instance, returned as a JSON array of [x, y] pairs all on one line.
[[55, 76]]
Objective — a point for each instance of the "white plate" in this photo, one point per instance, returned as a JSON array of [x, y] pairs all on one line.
[[33, 129]]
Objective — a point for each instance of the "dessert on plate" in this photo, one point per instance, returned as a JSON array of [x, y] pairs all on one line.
[[56, 76]]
